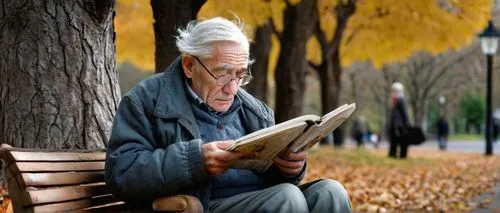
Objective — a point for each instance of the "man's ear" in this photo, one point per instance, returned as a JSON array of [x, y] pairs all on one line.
[[187, 66]]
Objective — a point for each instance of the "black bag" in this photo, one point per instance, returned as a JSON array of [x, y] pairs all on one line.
[[411, 135]]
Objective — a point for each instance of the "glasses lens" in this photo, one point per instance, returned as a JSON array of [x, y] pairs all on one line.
[[244, 80], [223, 80]]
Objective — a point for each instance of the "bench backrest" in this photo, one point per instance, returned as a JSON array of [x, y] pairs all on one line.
[[54, 181]]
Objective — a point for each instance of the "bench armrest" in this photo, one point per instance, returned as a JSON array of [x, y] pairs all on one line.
[[178, 203]]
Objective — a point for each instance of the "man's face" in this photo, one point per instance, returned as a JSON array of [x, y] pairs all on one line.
[[228, 58]]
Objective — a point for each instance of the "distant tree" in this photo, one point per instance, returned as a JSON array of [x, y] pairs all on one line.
[[427, 77], [472, 108], [58, 81], [260, 51]]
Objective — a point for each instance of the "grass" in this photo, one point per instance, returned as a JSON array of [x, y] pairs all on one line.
[[373, 158], [466, 137]]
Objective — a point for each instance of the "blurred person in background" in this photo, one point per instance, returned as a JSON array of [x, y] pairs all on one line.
[[398, 120], [443, 130], [359, 130]]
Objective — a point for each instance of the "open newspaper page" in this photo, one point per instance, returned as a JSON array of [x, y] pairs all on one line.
[[317, 132], [262, 146]]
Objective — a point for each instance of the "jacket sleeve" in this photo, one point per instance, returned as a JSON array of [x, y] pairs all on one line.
[[135, 166], [402, 112]]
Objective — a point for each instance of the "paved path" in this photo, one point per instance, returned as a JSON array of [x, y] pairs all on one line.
[[453, 146], [465, 146], [493, 206]]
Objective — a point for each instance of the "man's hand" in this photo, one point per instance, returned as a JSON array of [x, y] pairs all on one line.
[[216, 159], [292, 163]]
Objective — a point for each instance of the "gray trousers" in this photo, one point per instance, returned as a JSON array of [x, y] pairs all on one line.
[[317, 196]]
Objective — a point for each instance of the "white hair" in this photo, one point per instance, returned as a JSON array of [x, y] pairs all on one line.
[[398, 88], [199, 36]]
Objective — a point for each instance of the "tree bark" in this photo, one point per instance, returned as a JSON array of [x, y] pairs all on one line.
[[292, 64], [170, 15], [354, 86], [330, 86], [261, 48], [58, 80]]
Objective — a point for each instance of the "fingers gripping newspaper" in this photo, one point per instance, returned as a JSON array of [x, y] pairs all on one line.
[[301, 133]]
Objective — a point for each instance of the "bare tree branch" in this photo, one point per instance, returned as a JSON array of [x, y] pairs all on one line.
[[325, 46]]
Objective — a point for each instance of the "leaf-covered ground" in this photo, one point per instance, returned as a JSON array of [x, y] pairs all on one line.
[[5, 201], [429, 181]]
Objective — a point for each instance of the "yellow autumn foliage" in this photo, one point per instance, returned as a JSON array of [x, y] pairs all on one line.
[[391, 30], [135, 40], [382, 31]]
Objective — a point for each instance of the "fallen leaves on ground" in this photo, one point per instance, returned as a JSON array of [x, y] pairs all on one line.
[[5, 201], [429, 181]]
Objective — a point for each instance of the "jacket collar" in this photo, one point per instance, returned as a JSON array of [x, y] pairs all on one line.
[[172, 98]]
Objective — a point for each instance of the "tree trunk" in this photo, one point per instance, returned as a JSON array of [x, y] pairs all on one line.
[[58, 80], [170, 15], [331, 88], [261, 48], [420, 113], [336, 88], [416, 111], [292, 64], [354, 86]]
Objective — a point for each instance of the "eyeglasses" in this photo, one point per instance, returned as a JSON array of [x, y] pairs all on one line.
[[226, 78]]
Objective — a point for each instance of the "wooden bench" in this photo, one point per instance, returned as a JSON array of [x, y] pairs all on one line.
[[61, 181]]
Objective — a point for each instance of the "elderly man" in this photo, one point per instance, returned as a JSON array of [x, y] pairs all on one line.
[[171, 130], [399, 119]]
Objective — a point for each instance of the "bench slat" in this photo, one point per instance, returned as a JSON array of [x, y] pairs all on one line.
[[76, 205], [23, 167], [58, 156], [115, 207], [66, 193], [61, 178]]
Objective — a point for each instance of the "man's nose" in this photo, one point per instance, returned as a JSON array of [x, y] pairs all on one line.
[[231, 87]]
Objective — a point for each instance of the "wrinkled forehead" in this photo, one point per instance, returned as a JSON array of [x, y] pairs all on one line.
[[230, 55]]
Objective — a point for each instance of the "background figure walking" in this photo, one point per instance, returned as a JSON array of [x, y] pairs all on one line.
[[359, 130], [399, 120], [443, 131]]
